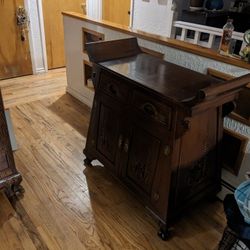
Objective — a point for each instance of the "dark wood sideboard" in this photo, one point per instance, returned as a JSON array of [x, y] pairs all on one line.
[[10, 179], [157, 126]]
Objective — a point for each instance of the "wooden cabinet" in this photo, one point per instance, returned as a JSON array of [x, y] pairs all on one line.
[[9, 177], [157, 126]]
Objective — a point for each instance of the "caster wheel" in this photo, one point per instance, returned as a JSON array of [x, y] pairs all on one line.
[[163, 234], [18, 190], [87, 162]]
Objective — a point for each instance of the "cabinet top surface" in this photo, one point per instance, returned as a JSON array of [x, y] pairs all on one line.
[[170, 80]]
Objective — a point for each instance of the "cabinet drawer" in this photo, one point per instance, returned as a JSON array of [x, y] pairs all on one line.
[[159, 112], [114, 87]]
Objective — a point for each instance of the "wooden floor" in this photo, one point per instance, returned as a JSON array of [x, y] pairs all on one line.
[[69, 206], [34, 87]]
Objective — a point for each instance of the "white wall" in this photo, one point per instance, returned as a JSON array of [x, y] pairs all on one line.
[[153, 16]]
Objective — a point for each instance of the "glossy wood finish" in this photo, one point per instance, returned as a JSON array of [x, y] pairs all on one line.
[[116, 11], [10, 179], [194, 49], [53, 25], [15, 57], [101, 51], [157, 126]]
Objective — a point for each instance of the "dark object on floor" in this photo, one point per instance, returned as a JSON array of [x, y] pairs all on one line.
[[237, 230], [10, 179]]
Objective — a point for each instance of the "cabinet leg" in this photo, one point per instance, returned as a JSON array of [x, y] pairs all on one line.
[[163, 233], [13, 188], [17, 189], [87, 162]]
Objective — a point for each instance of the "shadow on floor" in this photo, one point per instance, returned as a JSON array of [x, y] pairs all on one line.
[[67, 107]]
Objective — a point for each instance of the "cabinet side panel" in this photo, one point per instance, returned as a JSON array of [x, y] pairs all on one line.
[[198, 168]]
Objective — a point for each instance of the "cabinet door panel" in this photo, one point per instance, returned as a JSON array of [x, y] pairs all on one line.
[[143, 157], [109, 129]]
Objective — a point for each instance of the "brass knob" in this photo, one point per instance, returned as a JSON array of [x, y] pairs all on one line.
[[126, 146], [120, 141], [167, 150]]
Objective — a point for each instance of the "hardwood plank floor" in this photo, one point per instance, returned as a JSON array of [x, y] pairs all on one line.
[[34, 87], [69, 206]]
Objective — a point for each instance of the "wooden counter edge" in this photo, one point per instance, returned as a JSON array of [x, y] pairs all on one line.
[[188, 47]]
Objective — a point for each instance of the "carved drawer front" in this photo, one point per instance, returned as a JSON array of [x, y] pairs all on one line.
[[153, 109], [114, 87]]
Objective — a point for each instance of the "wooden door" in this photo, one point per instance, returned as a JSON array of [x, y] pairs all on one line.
[[53, 25], [15, 57], [116, 11]]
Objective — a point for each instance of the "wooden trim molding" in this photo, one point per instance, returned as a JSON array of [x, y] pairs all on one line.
[[152, 52], [233, 147], [93, 35], [220, 75], [185, 46]]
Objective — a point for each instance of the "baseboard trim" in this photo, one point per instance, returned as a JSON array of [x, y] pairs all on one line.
[[84, 99], [40, 71]]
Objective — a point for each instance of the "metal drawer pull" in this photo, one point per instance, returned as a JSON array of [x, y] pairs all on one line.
[[120, 141], [156, 196], [149, 109], [167, 151], [126, 146]]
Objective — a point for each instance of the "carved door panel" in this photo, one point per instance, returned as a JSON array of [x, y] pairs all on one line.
[[145, 161], [143, 155], [109, 130], [199, 168]]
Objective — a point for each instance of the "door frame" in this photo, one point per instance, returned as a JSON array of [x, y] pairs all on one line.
[[36, 36]]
